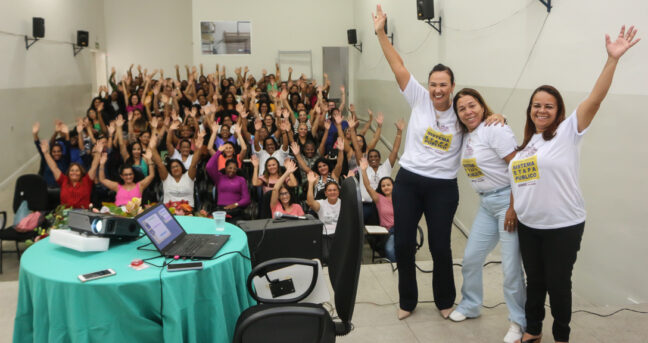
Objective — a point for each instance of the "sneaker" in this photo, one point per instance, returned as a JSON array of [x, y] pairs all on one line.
[[514, 334], [457, 316]]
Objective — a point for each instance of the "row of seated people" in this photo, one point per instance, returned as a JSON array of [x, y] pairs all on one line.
[[249, 148]]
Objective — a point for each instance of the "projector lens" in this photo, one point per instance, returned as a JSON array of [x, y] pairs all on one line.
[[97, 226]]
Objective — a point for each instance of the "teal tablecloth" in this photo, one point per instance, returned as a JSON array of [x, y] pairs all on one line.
[[198, 306]]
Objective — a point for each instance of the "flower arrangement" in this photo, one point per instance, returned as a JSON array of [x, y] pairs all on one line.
[[130, 210], [179, 208]]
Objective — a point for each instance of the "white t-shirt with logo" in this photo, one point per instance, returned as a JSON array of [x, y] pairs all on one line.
[[329, 215], [384, 170], [544, 179], [433, 140], [482, 156]]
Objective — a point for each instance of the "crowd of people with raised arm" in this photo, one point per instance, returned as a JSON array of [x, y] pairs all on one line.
[[215, 141]]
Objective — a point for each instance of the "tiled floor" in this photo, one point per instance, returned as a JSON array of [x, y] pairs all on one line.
[[374, 318]]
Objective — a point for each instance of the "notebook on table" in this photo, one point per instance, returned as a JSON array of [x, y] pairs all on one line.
[[172, 240]]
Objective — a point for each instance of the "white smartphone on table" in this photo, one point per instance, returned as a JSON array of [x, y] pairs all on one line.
[[96, 275]]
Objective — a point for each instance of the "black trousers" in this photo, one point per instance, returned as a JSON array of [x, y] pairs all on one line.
[[413, 196], [548, 256]]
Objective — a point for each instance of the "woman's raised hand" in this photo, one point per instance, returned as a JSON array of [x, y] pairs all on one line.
[[312, 178], [254, 159], [258, 125], [120, 121], [148, 155], [104, 158], [291, 167], [295, 148], [400, 124], [35, 128], [364, 164], [624, 41], [340, 143], [379, 19], [380, 118], [44, 146]]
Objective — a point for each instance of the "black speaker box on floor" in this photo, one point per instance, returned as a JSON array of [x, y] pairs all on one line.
[[352, 36], [425, 9], [38, 27], [82, 38], [283, 238]]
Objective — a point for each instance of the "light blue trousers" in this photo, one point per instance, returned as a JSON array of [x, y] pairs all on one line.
[[487, 230]]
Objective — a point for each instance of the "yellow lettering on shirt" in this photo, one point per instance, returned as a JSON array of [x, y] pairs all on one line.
[[472, 170], [526, 169], [437, 140]]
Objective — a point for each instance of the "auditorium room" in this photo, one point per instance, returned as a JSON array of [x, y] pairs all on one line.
[[323, 171]]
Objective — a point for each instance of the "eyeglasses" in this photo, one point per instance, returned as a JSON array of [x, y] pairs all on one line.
[[284, 193]]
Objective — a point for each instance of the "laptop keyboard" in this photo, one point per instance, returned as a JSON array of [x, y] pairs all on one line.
[[189, 246]]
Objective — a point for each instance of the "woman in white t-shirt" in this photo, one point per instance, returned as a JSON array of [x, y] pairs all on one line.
[[427, 180], [177, 181], [328, 210], [547, 196], [485, 155]]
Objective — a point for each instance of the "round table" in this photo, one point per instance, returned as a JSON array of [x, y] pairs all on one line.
[[149, 305]]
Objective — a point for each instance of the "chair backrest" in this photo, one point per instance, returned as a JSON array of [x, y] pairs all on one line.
[[285, 323], [33, 189], [346, 252]]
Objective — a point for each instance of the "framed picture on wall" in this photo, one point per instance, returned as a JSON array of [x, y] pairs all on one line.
[[226, 37]]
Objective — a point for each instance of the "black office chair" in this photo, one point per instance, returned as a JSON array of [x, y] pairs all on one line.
[[33, 189], [285, 320]]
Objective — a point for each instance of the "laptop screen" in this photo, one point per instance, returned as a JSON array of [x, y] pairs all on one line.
[[160, 226]]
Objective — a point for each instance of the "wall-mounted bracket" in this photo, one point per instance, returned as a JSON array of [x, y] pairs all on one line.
[[547, 4], [358, 46], [432, 22], [28, 40], [76, 49]]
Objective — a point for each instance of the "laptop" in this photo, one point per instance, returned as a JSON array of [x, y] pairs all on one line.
[[172, 240]]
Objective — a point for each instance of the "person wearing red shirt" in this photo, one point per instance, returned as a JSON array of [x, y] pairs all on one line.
[[76, 184]]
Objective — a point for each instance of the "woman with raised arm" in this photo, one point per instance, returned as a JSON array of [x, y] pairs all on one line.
[[547, 197], [486, 152], [283, 199], [131, 153], [184, 154], [233, 195], [323, 171], [76, 184], [328, 211], [177, 182], [382, 197], [128, 189], [427, 180], [271, 174]]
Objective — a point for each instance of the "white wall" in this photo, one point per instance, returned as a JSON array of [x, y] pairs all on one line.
[[282, 25], [569, 55], [49, 62], [153, 33], [44, 82]]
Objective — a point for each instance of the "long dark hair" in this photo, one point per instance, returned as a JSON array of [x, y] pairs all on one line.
[[549, 132], [475, 94], [379, 188], [292, 196]]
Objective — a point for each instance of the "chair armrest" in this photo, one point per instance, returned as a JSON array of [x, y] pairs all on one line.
[[264, 268], [421, 238], [3, 214]]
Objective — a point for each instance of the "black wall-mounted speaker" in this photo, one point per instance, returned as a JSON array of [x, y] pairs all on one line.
[[352, 36], [425, 9], [82, 38], [38, 27]]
